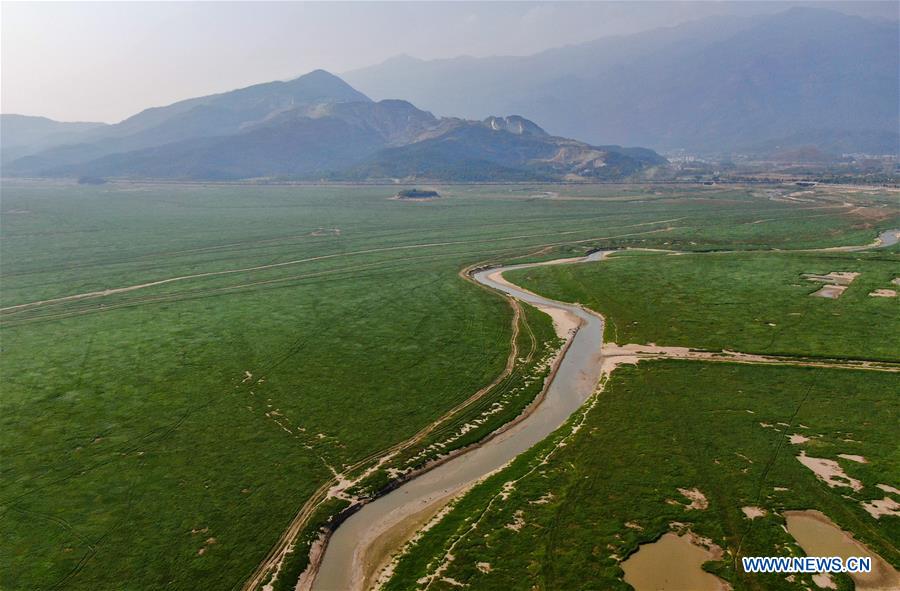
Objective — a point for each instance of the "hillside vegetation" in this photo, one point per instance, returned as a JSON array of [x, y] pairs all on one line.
[[315, 127]]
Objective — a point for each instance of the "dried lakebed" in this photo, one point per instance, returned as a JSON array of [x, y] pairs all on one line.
[[360, 546]]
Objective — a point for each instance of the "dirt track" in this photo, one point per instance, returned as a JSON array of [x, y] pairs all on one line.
[[613, 356]]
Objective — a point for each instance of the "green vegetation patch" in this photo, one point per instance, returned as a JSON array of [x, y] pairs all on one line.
[[137, 451], [723, 429], [750, 302], [537, 346]]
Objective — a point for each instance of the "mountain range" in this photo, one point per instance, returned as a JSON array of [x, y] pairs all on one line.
[[719, 85], [314, 127], [805, 80]]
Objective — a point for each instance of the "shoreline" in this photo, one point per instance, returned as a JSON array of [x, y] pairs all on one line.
[[365, 568]]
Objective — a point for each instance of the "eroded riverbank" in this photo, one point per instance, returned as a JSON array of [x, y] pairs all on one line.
[[362, 545], [360, 548]]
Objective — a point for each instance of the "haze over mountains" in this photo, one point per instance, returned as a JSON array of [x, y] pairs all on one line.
[[315, 127], [23, 134], [802, 81], [718, 85]]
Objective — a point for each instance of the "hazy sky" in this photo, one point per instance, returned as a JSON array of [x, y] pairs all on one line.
[[106, 61]]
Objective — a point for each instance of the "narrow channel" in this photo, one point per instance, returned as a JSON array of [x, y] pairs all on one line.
[[360, 545]]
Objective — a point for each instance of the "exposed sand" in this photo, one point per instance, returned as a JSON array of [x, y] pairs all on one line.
[[829, 291], [564, 323], [388, 571], [829, 472], [753, 512], [673, 563], [854, 458], [879, 508], [888, 488], [797, 439], [325, 232], [697, 498], [837, 282], [835, 277], [392, 533], [544, 499], [315, 556], [819, 536], [824, 581], [615, 355], [518, 521], [883, 293]]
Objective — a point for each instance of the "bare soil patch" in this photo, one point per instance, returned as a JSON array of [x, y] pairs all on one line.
[[836, 282], [835, 277], [829, 472], [518, 521], [829, 291], [697, 498], [881, 507], [824, 581], [325, 232], [753, 512], [564, 323]]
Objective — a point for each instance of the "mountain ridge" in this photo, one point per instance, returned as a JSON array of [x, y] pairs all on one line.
[[319, 127], [719, 85]]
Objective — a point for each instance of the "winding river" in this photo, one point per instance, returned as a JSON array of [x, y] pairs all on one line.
[[362, 543]]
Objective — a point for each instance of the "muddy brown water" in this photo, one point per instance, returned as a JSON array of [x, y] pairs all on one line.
[[360, 545], [672, 563], [819, 536]]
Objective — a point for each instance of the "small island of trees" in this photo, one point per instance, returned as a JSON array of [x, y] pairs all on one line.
[[417, 194]]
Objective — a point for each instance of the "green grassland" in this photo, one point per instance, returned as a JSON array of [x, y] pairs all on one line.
[[750, 302], [163, 437], [666, 425], [537, 345]]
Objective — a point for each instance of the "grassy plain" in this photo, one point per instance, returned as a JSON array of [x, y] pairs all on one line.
[[665, 425], [163, 436], [750, 302], [662, 426]]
